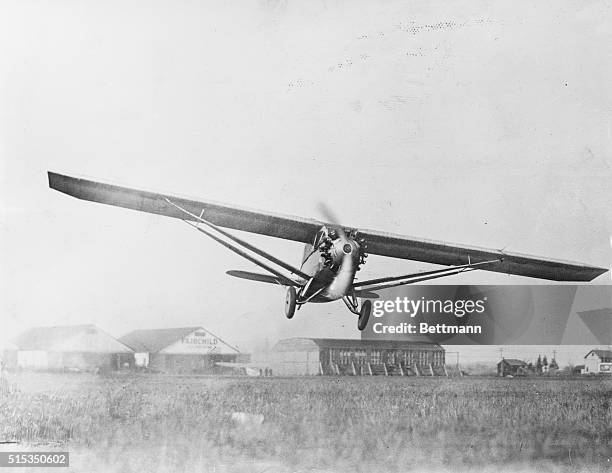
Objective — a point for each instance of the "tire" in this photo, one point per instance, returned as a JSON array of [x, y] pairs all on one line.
[[364, 315], [290, 304]]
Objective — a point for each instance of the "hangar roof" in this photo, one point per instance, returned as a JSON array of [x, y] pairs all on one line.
[[314, 344], [69, 338], [156, 340]]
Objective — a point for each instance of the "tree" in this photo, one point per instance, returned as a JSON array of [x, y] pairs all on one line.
[[553, 364], [544, 361], [539, 364]]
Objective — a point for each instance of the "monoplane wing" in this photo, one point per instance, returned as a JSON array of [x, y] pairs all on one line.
[[303, 230], [224, 215], [449, 254]]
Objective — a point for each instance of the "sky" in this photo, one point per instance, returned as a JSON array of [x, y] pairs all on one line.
[[484, 123]]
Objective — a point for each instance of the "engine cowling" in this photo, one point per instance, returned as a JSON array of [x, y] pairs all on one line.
[[335, 248]]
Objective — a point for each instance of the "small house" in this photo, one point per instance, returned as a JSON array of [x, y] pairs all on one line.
[[511, 367], [598, 362]]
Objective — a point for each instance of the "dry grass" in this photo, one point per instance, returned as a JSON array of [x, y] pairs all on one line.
[[161, 423]]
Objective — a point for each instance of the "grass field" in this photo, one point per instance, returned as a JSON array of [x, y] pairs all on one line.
[[162, 423]]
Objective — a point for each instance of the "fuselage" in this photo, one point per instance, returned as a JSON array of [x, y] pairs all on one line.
[[332, 260]]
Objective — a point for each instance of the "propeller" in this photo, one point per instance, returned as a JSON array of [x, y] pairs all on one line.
[[331, 218], [334, 226]]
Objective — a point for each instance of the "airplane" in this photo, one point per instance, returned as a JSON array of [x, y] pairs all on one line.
[[333, 253]]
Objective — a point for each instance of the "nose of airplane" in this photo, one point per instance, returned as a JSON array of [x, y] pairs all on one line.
[[345, 247]]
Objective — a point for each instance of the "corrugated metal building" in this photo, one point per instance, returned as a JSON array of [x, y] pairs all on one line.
[[73, 347], [181, 350], [331, 356]]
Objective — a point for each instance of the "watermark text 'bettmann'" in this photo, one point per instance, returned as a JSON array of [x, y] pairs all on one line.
[[415, 307]]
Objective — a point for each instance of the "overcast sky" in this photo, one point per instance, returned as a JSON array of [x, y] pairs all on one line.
[[485, 123]]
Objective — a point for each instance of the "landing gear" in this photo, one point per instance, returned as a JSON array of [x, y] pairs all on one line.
[[290, 300], [364, 315]]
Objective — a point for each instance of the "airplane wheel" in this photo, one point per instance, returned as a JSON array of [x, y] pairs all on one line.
[[290, 299], [364, 315]]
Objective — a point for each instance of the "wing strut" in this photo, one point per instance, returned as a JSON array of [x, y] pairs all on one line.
[[381, 283], [283, 279], [242, 242]]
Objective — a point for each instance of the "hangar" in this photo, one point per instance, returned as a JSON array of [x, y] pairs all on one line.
[[181, 350], [72, 347], [332, 356]]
